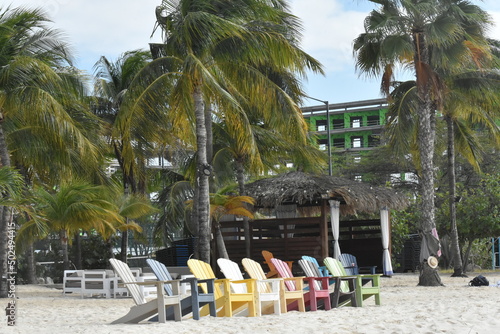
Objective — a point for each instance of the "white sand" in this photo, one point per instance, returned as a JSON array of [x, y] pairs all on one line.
[[406, 308]]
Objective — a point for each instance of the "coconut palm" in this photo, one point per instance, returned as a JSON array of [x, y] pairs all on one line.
[[216, 51], [423, 36], [74, 207], [40, 96]]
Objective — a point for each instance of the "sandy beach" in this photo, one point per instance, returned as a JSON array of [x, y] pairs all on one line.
[[406, 308]]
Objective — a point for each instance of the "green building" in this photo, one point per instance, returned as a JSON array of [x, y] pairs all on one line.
[[354, 126]]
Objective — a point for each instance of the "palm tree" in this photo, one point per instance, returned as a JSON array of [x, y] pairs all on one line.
[[112, 89], [74, 207], [39, 98], [424, 36], [216, 52]]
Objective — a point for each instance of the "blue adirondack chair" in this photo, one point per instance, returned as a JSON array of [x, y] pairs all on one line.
[[197, 299], [351, 265]]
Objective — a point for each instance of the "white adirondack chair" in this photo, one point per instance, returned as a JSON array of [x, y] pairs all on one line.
[[145, 309]]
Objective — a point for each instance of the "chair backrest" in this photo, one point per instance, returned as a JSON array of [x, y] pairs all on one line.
[[311, 270], [285, 272], [349, 260], [126, 275], [337, 269], [315, 262], [202, 270], [255, 271], [231, 270], [267, 257], [162, 274]]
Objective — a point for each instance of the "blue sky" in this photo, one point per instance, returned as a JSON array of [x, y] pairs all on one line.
[[110, 27]]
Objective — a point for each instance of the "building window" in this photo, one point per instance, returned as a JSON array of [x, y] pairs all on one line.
[[339, 142], [373, 141], [357, 159], [322, 143], [338, 123], [373, 120], [356, 142], [358, 178], [321, 125], [356, 122]]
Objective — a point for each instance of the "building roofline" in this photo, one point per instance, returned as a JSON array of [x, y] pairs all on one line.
[[345, 106]]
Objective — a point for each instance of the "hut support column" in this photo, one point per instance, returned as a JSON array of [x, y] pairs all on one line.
[[335, 221], [384, 226]]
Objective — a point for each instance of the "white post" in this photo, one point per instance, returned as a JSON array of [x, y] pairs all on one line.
[[335, 222], [384, 226]]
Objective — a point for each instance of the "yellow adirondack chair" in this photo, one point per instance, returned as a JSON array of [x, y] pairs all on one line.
[[227, 302], [367, 285]]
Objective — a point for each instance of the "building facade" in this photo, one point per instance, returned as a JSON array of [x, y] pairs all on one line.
[[354, 126]]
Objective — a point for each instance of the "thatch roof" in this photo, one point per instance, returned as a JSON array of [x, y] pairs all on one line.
[[308, 190]]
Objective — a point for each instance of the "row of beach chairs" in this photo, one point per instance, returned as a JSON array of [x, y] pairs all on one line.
[[235, 295]]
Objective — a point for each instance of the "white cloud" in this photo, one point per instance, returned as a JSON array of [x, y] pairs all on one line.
[[329, 31], [494, 32], [101, 27]]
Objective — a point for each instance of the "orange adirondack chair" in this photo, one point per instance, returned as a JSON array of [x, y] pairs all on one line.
[[272, 270]]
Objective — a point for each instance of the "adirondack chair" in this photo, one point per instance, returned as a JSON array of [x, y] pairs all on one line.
[[266, 286], [189, 304], [292, 288], [322, 269], [227, 301], [272, 270], [317, 290], [342, 294], [268, 290], [146, 309], [351, 267], [366, 285]]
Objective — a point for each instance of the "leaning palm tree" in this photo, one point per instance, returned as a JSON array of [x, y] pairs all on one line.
[[423, 36], [39, 95], [216, 52]]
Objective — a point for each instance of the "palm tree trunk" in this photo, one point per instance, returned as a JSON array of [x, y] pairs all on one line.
[[455, 247], [203, 173], [78, 253], [30, 265], [64, 245], [425, 140], [240, 176], [221, 246], [465, 261]]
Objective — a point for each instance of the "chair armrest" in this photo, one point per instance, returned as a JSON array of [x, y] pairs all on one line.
[[251, 284], [175, 284], [371, 269], [298, 280], [323, 280], [210, 282]]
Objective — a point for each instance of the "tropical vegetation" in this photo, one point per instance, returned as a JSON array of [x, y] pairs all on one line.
[[220, 100]]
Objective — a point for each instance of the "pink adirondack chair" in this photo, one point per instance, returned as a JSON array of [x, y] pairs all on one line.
[[318, 287]]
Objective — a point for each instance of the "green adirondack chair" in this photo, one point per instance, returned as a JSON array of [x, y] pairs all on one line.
[[367, 285]]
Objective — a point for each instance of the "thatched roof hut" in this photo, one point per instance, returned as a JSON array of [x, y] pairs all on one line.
[[308, 190]]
